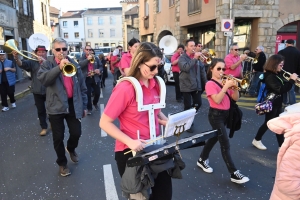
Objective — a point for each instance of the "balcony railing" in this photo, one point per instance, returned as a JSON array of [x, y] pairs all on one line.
[[194, 6]]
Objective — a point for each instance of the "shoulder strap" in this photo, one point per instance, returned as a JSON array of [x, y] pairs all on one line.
[[220, 87]]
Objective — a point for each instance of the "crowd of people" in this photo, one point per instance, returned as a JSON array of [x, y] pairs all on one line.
[[70, 97]]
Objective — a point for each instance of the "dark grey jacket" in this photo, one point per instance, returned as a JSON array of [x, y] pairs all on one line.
[[56, 96], [33, 67], [192, 74], [83, 63]]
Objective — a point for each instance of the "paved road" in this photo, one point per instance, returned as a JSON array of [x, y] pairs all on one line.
[[28, 169]]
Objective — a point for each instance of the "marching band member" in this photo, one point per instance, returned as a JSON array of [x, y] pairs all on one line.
[[144, 68], [92, 73], [124, 67], [38, 90], [275, 83], [219, 103], [66, 100], [176, 70], [233, 62]]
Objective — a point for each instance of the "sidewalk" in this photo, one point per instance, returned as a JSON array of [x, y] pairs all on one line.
[[21, 88]]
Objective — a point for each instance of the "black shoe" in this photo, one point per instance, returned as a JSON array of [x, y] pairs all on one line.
[[239, 178], [64, 170], [204, 164], [73, 156], [96, 107]]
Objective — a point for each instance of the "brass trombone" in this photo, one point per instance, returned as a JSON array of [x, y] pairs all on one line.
[[297, 82], [69, 69], [245, 83], [12, 45]]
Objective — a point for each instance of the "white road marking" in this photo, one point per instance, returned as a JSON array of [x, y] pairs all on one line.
[[109, 183], [103, 133], [101, 93]]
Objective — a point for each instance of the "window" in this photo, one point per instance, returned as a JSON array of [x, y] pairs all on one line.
[[16, 4], [96, 46], [158, 6], [44, 13], [194, 6], [112, 20], [75, 23], [101, 33], [90, 33], [171, 3], [100, 21], [25, 7], [112, 33], [76, 35], [89, 21], [66, 35], [65, 23], [146, 8]]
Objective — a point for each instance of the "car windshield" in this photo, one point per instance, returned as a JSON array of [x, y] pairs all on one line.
[[167, 60]]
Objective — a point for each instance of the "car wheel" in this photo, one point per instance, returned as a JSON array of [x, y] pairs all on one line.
[[166, 78]]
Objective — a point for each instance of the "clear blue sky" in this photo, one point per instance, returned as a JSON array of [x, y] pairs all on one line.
[[66, 5]]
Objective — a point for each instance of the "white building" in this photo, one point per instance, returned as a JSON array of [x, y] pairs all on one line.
[[71, 28], [103, 27]]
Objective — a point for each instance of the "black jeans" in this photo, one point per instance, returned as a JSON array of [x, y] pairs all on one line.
[[162, 189], [5, 91], [177, 88], [58, 130], [90, 83], [217, 119], [187, 100], [276, 110], [40, 100]]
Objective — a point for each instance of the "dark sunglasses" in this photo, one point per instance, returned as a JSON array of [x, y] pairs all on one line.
[[236, 49], [88, 49], [152, 68], [59, 49], [223, 69]]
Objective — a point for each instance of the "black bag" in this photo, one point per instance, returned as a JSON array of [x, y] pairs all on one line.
[[234, 120]]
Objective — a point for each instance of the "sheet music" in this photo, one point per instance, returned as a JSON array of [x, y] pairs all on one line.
[[184, 118]]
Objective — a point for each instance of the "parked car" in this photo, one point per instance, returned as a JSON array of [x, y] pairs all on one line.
[[168, 74], [75, 55]]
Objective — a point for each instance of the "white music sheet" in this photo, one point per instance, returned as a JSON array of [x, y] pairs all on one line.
[[183, 119]]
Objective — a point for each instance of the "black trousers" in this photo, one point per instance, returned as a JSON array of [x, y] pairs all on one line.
[[90, 83], [187, 100], [58, 130], [5, 91], [40, 100], [276, 110], [177, 88], [217, 119], [162, 189]]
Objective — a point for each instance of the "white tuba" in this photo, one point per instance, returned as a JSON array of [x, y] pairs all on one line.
[[168, 43]]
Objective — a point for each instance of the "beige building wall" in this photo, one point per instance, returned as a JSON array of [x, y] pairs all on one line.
[[149, 30]]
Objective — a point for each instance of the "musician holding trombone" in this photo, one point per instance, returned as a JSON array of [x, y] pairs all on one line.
[[66, 100]]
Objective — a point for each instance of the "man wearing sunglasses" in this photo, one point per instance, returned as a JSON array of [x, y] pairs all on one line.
[[192, 78], [91, 72], [233, 62], [66, 100]]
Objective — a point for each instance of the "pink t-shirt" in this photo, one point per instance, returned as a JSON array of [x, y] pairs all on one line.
[[175, 68], [122, 105], [212, 88], [126, 60], [229, 61], [68, 83]]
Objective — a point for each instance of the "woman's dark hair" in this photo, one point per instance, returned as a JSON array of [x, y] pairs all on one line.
[[180, 46], [133, 41], [143, 54], [212, 65], [273, 62]]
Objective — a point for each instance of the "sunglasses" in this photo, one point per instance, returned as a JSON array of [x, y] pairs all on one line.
[[59, 49], [236, 49], [223, 69], [152, 68], [88, 49], [200, 46]]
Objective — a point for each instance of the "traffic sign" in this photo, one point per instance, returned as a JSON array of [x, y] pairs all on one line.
[[226, 24]]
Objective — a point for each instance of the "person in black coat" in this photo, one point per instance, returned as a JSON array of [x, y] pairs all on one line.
[[275, 83], [104, 74], [292, 65]]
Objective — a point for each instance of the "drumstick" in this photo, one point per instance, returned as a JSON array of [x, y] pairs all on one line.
[[151, 141]]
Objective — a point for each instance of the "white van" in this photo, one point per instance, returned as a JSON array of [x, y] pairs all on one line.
[[104, 50]]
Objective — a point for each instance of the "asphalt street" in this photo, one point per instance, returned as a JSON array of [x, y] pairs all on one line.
[[28, 169]]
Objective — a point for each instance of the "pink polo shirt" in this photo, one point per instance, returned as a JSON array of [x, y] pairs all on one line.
[[175, 68], [212, 88], [122, 105], [230, 60], [126, 60]]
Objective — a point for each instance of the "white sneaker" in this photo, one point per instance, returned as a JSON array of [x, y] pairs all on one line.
[[13, 105], [239, 178], [4, 109], [204, 164], [258, 144]]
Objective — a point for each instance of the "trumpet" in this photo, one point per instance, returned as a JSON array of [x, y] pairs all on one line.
[[93, 59], [250, 59], [245, 83], [69, 69], [203, 58], [297, 82]]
